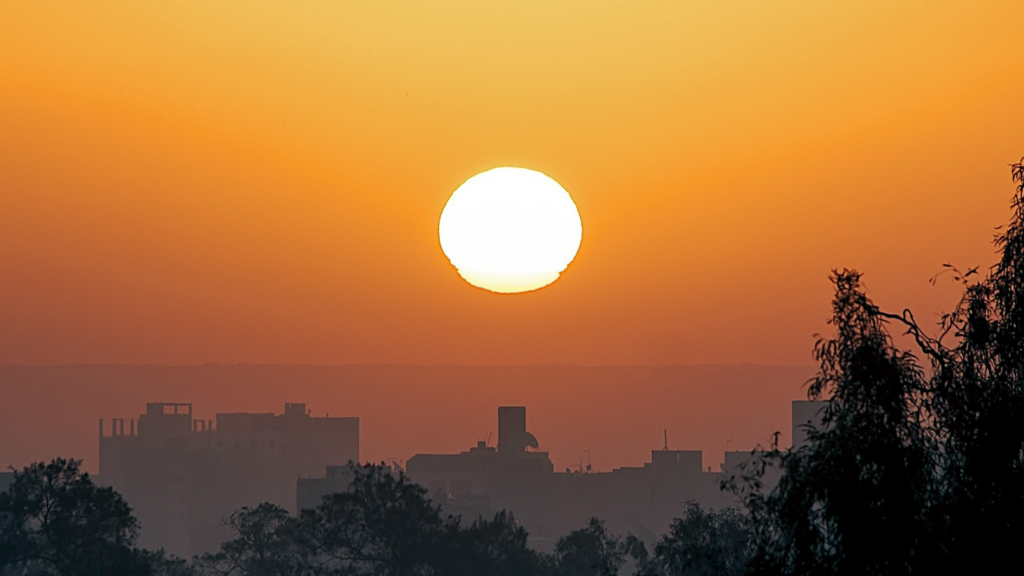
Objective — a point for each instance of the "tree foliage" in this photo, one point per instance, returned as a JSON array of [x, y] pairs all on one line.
[[267, 542], [699, 543], [382, 525], [590, 551], [705, 543], [494, 547], [917, 467], [55, 520], [911, 470]]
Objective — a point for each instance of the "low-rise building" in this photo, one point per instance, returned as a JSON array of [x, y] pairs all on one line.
[[516, 476], [642, 500]]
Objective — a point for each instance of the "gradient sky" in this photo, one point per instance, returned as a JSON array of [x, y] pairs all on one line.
[[190, 182]]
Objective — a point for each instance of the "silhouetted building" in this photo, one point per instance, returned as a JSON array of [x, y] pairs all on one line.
[[513, 477], [6, 478], [183, 476], [310, 492], [749, 463], [736, 460], [512, 435], [806, 413]]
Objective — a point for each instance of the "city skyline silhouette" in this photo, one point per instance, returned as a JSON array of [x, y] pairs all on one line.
[[530, 288]]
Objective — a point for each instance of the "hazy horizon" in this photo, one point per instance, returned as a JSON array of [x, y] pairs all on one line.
[[617, 412], [399, 364], [651, 224]]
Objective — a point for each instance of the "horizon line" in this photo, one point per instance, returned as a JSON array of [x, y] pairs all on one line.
[[393, 365]]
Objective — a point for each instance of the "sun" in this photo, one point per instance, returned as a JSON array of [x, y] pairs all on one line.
[[510, 230]]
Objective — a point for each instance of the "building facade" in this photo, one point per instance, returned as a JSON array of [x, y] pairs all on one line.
[[515, 476], [183, 477], [807, 414]]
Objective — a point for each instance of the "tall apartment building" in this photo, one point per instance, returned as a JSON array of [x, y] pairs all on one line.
[[806, 414], [183, 477]]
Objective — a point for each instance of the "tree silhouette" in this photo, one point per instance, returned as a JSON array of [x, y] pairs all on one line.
[[495, 547], [976, 401], [909, 472], [704, 543], [267, 542], [589, 551], [851, 502], [55, 520], [163, 564], [700, 543], [382, 525]]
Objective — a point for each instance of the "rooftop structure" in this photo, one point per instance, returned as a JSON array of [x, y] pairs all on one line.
[[184, 476], [515, 476]]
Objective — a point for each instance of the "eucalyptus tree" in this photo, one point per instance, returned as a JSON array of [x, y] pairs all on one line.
[[912, 470]]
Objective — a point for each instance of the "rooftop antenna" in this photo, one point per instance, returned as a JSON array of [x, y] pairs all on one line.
[[666, 440], [589, 468], [488, 441]]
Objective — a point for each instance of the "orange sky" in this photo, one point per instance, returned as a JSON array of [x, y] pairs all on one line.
[[190, 182]]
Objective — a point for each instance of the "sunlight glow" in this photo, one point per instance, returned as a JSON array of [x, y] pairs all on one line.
[[510, 230]]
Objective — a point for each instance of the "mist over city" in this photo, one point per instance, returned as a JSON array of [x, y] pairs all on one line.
[[531, 288]]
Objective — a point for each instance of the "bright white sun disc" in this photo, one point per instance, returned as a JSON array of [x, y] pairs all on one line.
[[510, 230]]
